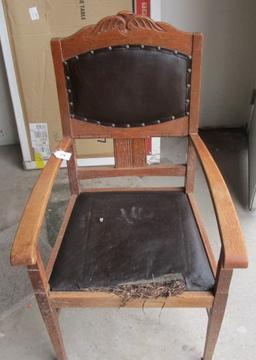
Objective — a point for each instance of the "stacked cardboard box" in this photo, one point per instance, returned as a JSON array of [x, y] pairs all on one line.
[[31, 25]]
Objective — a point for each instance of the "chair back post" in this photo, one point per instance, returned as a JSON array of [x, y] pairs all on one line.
[[64, 114], [195, 82], [194, 109]]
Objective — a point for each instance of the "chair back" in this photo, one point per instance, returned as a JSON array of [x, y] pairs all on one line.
[[128, 78]]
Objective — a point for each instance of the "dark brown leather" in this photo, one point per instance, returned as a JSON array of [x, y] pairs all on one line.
[[120, 237], [128, 86]]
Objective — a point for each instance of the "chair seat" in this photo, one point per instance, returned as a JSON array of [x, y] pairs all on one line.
[[114, 238]]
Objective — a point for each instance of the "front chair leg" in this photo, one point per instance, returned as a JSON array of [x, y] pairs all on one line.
[[214, 324], [48, 310], [216, 314], [51, 321]]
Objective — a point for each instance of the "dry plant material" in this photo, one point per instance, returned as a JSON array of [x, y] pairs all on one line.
[[164, 286]]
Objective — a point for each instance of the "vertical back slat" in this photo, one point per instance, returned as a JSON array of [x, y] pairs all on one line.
[[129, 153], [123, 153], [139, 152]]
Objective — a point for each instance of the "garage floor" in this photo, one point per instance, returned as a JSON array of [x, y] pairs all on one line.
[[124, 334]]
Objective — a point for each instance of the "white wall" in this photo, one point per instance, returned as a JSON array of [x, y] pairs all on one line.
[[8, 131], [229, 57]]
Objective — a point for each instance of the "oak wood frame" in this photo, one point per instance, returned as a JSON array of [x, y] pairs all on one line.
[[130, 157]]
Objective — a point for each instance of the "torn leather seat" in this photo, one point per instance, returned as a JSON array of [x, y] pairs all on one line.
[[135, 244]]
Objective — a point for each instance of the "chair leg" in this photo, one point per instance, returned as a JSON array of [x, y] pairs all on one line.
[[51, 321], [214, 324], [217, 311], [49, 312]]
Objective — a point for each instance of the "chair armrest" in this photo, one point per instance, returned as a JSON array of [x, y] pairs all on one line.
[[24, 248], [233, 243]]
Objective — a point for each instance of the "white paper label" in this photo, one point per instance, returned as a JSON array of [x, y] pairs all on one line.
[[40, 139], [33, 12], [60, 154]]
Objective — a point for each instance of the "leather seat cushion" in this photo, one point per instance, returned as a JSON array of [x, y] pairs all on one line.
[[112, 238]]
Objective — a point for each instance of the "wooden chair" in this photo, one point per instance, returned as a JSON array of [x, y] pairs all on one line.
[[130, 78]]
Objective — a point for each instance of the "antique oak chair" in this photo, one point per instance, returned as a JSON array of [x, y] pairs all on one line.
[[130, 78]]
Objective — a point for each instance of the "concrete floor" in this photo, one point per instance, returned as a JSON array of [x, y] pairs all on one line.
[[122, 334]]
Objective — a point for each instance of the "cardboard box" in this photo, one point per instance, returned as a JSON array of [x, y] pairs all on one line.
[[31, 25]]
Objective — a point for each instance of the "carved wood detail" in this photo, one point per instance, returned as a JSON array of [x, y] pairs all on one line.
[[126, 29], [124, 22]]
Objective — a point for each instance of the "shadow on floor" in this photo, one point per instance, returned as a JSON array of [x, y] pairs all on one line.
[[12, 155], [229, 148]]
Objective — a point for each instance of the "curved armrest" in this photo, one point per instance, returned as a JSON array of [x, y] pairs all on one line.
[[234, 249], [24, 248]]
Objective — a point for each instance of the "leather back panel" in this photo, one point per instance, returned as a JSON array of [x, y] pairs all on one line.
[[128, 86]]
